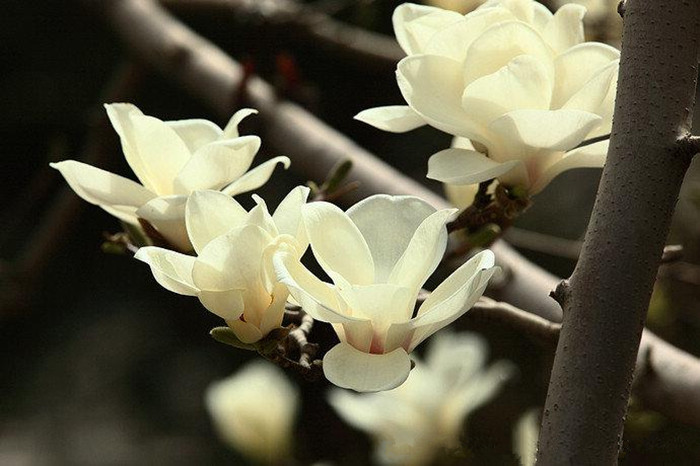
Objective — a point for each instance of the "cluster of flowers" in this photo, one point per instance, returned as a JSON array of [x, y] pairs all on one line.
[[525, 98]]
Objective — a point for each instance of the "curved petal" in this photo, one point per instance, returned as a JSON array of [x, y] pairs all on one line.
[[260, 216], [318, 298], [167, 215], [273, 315], [382, 303], [119, 115], [217, 164], [565, 29], [195, 133], [228, 304], [454, 40], [453, 297], [103, 188], [540, 16], [233, 261], [209, 214], [424, 252], [575, 67], [245, 331], [499, 44], [523, 10], [565, 128], [460, 195], [591, 156], [415, 24], [525, 82], [462, 167], [393, 118], [334, 239], [255, 177], [287, 215], [591, 96], [433, 86], [162, 152], [347, 367], [172, 270], [387, 224], [231, 129]]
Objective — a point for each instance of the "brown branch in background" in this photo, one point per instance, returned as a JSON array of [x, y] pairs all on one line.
[[162, 42], [20, 275], [302, 23]]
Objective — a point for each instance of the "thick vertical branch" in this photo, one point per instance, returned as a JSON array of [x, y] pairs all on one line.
[[608, 294]]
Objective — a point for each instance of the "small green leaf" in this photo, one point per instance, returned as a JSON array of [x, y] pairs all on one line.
[[138, 238], [485, 235], [226, 336], [337, 175], [111, 247]]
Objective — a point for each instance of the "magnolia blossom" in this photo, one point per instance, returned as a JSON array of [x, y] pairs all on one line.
[[463, 6], [515, 81], [231, 274], [414, 422], [171, 159], [378, 256], [254, 411]]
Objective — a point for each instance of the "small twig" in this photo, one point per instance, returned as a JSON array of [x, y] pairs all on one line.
[[541, 242], [672, 253], [590, 141]]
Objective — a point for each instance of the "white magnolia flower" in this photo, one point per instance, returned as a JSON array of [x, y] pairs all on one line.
[[462, 6], [511, 78], [232, 275], [254, 411], [171, 159], [414, 422], [378, 255]]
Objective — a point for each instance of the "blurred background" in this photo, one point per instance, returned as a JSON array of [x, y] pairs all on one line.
[[101, 365]]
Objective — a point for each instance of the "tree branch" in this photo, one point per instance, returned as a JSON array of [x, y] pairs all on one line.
[[606, 303], [158, 39]]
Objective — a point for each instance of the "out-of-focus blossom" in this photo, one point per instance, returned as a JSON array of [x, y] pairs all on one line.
[[413, 423], [171, 159], [515, 81], [378, 256], [231, 274], [525, 435], [254, 412]]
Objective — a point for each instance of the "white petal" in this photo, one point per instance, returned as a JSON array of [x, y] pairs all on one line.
[[457, 357], [565, 29], [347, 367], [387, 224], [461, 166], [209, 214], [318, 299], [499, 44], [274, 314], [382, 303], [228, 305], [231, 129], [415, 24], [105, 189], [453, 297], [461, 195], [120, 116], [454, 40], [590, 97], [245, 331], [565, 128], [393, 118], [172, 270], [522, 9], [591, 156], [167, 215], [255, 177], [195, 133], [217, 164], [287, 216], [233, 261], [433, 86], [524, 83], [337, 243], [577, 66], [424, 252], [162, 152], [540, 16]]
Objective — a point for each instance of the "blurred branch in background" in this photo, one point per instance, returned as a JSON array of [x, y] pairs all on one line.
[[20, 274], [161, 41]]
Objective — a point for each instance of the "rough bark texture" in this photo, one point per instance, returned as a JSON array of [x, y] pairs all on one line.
[[608, 294], [162, 42]]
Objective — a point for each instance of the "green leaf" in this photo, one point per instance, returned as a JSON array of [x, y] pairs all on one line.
[[226, 336], [337, 175]]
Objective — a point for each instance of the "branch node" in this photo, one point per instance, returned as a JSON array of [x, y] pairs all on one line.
[[689, 146], [561, 292], [621, 8]]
